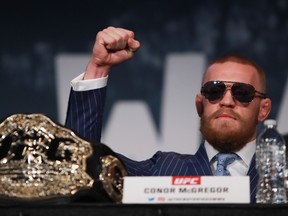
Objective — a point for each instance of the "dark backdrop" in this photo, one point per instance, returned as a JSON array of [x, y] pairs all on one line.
[[34, 32]]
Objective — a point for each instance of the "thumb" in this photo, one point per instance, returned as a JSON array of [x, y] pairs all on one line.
[[133, 44]]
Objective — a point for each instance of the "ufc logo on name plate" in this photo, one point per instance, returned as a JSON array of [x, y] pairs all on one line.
[[186, 180]]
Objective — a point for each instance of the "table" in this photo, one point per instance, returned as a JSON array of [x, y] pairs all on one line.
[[111, 209]]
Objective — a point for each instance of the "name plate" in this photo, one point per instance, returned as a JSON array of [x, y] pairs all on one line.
[[186, 189]]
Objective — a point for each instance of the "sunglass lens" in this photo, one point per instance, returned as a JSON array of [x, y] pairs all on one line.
[[213, 90], [242, 92]]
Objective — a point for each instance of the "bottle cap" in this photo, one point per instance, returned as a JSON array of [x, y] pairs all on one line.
[[270, 122]]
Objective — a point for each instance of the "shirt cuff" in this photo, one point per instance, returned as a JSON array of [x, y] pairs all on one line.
[[78, 84]]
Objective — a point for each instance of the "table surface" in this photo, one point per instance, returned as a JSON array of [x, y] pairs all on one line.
[[107, 209]]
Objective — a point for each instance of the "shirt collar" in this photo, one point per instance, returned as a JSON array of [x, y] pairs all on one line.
[[246, 153]]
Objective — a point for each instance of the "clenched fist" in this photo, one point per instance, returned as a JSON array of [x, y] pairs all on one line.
[[112, 46]]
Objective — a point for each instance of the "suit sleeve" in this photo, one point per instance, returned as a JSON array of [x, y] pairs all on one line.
[[85, 113]]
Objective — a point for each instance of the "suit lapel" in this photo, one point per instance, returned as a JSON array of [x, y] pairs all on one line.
[[253, 179], [199, 164]]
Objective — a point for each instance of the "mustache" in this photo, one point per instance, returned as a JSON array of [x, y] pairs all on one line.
[[229, 112]]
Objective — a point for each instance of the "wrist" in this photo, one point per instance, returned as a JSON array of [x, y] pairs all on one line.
[[94, 71]]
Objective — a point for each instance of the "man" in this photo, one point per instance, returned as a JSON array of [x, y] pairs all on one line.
[[231, 103]]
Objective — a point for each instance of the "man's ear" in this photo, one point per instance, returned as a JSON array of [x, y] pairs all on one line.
[[265, 108], [199, 104]]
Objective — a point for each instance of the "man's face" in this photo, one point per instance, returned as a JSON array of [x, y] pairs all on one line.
[[227, 124]]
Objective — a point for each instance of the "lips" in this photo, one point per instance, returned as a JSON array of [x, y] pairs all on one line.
[[229, 114], [225, 115]]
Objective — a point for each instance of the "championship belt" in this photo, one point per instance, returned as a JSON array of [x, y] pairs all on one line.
[[41, 160]]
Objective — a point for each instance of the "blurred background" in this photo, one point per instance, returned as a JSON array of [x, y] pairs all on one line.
[[34, 33]]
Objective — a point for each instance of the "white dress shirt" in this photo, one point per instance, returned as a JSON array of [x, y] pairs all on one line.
[[78, 84], [239, 167]]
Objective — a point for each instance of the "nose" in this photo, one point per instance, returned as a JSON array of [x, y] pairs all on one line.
[[227, 99]]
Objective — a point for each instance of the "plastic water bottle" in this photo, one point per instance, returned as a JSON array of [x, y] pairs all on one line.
[[271, 164]]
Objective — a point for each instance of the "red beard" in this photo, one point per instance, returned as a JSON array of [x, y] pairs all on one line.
[[226, 138]]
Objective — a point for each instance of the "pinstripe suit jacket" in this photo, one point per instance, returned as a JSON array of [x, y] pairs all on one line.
[[84, 115]]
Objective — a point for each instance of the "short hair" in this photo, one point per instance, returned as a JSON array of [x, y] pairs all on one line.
[[241, 59]]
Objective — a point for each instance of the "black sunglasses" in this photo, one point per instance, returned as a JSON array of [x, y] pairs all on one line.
[[242, 92]]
